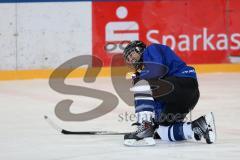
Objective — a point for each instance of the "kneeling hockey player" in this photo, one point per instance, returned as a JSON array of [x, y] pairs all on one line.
[[165, 91]]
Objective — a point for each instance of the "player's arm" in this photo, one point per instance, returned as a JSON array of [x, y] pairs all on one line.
[[153, 63]]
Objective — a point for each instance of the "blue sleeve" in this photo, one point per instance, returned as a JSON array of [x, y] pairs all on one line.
[[153, 60]]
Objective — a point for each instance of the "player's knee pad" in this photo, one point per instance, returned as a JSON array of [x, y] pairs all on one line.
[[142, 86], [143, 96]]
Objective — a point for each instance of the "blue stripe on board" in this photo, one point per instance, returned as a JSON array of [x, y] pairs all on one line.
[[32, 1]]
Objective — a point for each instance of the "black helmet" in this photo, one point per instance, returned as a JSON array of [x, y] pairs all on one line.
[[134, 46]]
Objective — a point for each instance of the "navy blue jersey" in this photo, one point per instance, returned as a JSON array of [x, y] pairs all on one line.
[[157, 56]]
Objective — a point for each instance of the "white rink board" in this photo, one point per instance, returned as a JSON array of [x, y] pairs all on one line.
[[26, 135], [8, 36], [48, 34]]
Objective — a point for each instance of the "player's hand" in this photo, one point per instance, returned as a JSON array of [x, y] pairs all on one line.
[[135, 78]]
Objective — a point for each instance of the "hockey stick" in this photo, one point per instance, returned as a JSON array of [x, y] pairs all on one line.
[[63, 131]]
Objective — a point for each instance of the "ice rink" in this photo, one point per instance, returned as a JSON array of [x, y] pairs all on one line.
[[24, 134]]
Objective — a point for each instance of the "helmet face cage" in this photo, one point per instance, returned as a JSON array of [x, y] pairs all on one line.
[[134, 46]]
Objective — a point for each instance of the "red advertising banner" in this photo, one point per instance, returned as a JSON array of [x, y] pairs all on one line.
[[233, 28], [200, 31]]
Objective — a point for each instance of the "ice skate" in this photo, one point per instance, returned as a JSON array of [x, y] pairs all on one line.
[[197, 137], [205, 127], [143, 136]]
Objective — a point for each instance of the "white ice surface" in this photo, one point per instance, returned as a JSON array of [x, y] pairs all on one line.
[[24, 134]]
